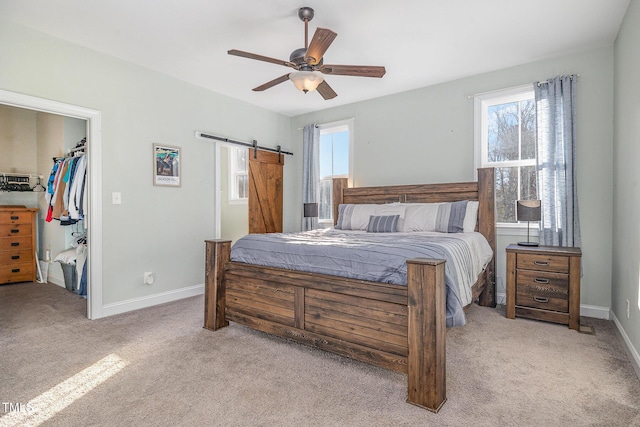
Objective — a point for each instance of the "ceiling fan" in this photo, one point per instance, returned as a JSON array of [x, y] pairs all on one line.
[[309, 64]]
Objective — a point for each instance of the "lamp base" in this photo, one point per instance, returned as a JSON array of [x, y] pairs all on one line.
[[528, 244]]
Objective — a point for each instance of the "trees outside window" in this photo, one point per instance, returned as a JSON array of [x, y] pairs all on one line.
[[335, 142], [506, 140]]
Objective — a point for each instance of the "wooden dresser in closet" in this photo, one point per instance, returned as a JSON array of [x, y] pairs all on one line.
[[17, 244]]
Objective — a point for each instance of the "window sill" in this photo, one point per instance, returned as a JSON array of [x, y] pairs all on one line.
[[507, 229], [238, 201]]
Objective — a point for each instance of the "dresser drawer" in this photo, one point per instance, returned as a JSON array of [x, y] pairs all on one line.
[[16, 256], [16, 273], [15, 217], [10, 230], [542, 262], [547, 291], [17, 242]]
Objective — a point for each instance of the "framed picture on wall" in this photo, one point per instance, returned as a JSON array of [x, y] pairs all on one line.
[[166, 165]]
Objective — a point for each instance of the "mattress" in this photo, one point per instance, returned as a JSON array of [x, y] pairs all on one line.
[[376, 257]]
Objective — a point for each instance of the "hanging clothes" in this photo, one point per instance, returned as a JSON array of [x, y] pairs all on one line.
[[65, 190]]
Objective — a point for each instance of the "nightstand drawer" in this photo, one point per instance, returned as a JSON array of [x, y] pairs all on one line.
[[547, 291], [542, 262]]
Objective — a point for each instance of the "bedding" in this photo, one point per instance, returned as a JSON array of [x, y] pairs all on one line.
[[376, 257], [446, 217]]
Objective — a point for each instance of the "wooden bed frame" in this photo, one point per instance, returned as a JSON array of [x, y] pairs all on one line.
[[397, 327]]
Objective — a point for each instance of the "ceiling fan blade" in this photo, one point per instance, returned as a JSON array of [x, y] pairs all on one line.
[[272, 83], [260, 58], [325, 90], [320, 42], [353, 70]]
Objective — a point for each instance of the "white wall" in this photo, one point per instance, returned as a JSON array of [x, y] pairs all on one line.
[[426, 135], [156, 229], [626, 207]]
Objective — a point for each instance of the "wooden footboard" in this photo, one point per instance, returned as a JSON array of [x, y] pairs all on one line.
[[393, 326]]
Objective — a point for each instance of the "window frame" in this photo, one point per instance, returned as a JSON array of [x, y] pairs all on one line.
[[332, 127], [481, 103], [233, 198]]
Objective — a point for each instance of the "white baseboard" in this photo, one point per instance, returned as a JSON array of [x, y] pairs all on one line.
[[55, 280], [151, 300], [633, 353], [594, 311]]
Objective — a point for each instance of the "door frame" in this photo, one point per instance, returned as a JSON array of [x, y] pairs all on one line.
[[94, 180], [218, 184]]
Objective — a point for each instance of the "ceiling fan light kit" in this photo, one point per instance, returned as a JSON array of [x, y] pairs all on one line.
[[309, 62], [306, 81]]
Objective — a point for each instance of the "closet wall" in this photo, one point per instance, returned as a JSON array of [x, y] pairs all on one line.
[[28, 141]]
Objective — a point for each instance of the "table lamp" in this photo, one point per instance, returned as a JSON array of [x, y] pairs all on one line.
[[528, 210]]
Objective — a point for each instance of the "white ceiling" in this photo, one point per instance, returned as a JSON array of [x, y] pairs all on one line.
[[420, 42]]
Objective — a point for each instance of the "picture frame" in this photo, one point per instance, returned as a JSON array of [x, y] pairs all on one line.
[[167, 165]]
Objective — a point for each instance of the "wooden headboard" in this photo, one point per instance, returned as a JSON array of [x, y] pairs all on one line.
[[483, 191]]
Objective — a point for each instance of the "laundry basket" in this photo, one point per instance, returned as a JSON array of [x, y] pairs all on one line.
[[70, 277]]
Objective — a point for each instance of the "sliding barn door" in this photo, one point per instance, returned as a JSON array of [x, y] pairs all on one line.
[[265, 191]]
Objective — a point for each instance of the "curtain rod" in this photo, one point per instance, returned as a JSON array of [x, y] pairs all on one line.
[[253, 144], [500, 90]]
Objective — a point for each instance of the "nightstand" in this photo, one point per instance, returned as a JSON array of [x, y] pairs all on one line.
[[543, 283]]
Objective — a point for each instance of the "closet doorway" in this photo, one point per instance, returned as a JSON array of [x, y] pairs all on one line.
[[93, 186], [231, 204]]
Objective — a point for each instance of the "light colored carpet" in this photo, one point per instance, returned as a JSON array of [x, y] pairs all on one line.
[[166, 370]]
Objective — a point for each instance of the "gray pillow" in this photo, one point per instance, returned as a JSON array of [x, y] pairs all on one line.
[[383, 224], [450, 218]]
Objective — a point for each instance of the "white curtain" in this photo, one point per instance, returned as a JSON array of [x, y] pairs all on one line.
[[310, 172], [556, 165]]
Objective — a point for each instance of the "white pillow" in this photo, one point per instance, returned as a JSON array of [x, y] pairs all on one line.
[[423, 216], [419, 217], [471, 217], [356, 217]]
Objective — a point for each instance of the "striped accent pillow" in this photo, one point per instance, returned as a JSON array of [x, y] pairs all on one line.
[[383, 224], [450, 218]]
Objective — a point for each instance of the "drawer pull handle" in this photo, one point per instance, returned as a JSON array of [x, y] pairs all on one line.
[[15, 218], [15, 270], [15, 231], [541, 262], [540, 299], [15, 243], [15, 257], [541, 281]]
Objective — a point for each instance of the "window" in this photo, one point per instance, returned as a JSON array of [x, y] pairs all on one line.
[[506, 140], [335, 161], [238, 174]]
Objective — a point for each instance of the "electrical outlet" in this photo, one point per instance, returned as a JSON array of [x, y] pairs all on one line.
[[116, 198], [628, 309], [147, 278]]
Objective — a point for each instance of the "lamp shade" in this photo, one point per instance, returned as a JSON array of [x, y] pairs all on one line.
[[310, 210], [306, 81], [528, 210]]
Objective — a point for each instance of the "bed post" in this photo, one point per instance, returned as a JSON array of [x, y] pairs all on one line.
[[487, 226], [217, 254], [339, 184], [426, 369]]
